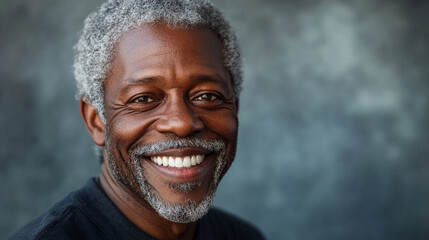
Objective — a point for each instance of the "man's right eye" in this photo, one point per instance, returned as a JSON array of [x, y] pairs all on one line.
[[143, 99]]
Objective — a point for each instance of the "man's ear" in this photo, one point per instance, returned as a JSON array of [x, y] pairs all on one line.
[[93, 123]]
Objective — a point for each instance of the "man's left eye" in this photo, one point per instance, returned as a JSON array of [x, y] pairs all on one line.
[[207, 97]]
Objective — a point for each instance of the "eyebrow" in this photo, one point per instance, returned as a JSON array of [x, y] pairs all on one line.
[[136, 81], [209, 78], [213, 78], [142, 80]]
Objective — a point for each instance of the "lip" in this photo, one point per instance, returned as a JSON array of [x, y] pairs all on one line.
[[187, 151], [184, 174]]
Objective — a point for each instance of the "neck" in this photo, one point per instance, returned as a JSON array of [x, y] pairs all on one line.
[[139, 212]]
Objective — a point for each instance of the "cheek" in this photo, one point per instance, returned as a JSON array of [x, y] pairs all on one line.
[[224, 124], [129, 129]]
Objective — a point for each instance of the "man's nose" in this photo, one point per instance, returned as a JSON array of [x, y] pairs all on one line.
[[179, 119]]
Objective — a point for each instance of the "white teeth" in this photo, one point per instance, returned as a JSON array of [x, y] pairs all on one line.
[[178, 162], [164, 161], [186, 162], [171, 161], [199, 159]]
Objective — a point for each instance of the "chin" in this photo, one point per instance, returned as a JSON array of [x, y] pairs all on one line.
[[178, 200]]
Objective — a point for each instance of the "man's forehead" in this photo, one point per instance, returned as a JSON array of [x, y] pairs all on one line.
[[150, 47], [163, 36], [154, 53]]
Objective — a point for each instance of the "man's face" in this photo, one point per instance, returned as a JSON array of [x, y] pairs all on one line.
[[171, 116]]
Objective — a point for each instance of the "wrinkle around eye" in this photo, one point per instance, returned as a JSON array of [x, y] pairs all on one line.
[[116, 109], [119, 110], [228, 104]]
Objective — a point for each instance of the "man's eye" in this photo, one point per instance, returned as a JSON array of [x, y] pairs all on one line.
[[143, 99], [207, 97]]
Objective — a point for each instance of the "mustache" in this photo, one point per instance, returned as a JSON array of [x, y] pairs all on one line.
[[157, 147]]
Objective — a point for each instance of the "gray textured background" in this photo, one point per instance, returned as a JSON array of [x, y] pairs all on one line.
[[333, 120]]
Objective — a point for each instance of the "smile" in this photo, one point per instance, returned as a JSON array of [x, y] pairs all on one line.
[[178, 162]]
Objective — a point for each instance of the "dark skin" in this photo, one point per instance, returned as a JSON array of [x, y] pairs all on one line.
[[165, 83]]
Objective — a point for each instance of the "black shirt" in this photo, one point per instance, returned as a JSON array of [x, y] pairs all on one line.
[[89, 214]]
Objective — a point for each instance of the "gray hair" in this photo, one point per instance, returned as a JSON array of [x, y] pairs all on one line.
[[103, 28]]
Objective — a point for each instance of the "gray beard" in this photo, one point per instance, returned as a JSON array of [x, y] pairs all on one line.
[[187, 211]]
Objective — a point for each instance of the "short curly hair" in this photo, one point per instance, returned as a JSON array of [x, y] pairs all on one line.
[[103, 28]]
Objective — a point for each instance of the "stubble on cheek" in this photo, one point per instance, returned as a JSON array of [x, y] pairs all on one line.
[[128, 174]]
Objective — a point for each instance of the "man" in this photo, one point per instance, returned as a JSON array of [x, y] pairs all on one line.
[[158, 83]]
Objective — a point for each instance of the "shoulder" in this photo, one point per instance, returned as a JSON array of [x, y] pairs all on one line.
[[224, 225], [46, 226], [65, 220]]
